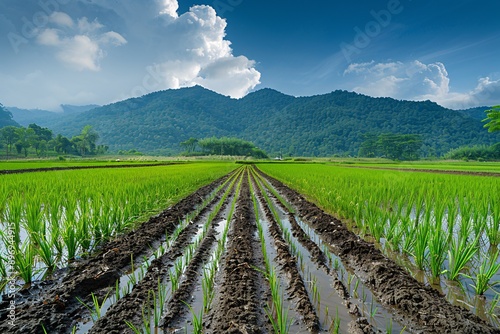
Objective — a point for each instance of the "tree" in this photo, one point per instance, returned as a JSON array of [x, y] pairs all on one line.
[[62, 144], [190, 144], [42, 133], [400, 147], [26, 136], [86, 141], [493, 116], [368, 147], [79, 145], [392, 146], [9, 135], [230, 146]]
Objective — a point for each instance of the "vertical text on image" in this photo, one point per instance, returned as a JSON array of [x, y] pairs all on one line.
[[11, 285]]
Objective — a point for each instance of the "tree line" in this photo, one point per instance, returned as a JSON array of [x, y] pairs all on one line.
[[21, 140], [392, 146], [481, 152], [222, 146]]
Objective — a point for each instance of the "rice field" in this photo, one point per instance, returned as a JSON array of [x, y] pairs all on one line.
[[50, 219], [443, 229], [7, 165], [219, 247]]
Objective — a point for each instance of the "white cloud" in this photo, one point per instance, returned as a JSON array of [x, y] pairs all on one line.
[[61, 19], [49, 37], [234, 76], [419, 81], [166, 49], [80, 49], [81, 52], [169, 7], [112, 37], [198, 53], [88, 27]]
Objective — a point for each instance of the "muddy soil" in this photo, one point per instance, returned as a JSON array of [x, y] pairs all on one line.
[[238, 307], [296, 288]]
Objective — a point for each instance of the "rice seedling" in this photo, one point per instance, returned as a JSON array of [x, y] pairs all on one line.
[[494, 305], [45, 251], [438, 243], [96, 308], [117, 290], [3, 268], [420, 253], [133, 327], [276, 314], [24, 262], [335, 326], [174, 282], [493, 224], [146, 325], [488, 268], [373, 309], [459, 255], [197, 319], [355, 289], [388, 328]]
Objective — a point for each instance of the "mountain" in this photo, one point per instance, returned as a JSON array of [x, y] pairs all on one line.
[[477, 113], [69, 109], [46, 118], [6, 117], [320, 125]]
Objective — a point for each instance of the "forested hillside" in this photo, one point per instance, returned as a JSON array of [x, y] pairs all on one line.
[[6, 117], [322, 125], [477, 113]]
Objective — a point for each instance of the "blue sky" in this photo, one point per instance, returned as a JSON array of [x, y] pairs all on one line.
[[56, 52]]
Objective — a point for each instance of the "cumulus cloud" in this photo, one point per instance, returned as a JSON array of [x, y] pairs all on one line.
[[165, 49], [169, 7], [61, 19], [198, 53], [80, 47], [232, 75], [418, 81]]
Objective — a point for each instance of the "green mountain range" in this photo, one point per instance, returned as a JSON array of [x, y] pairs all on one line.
[[321, 125]]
